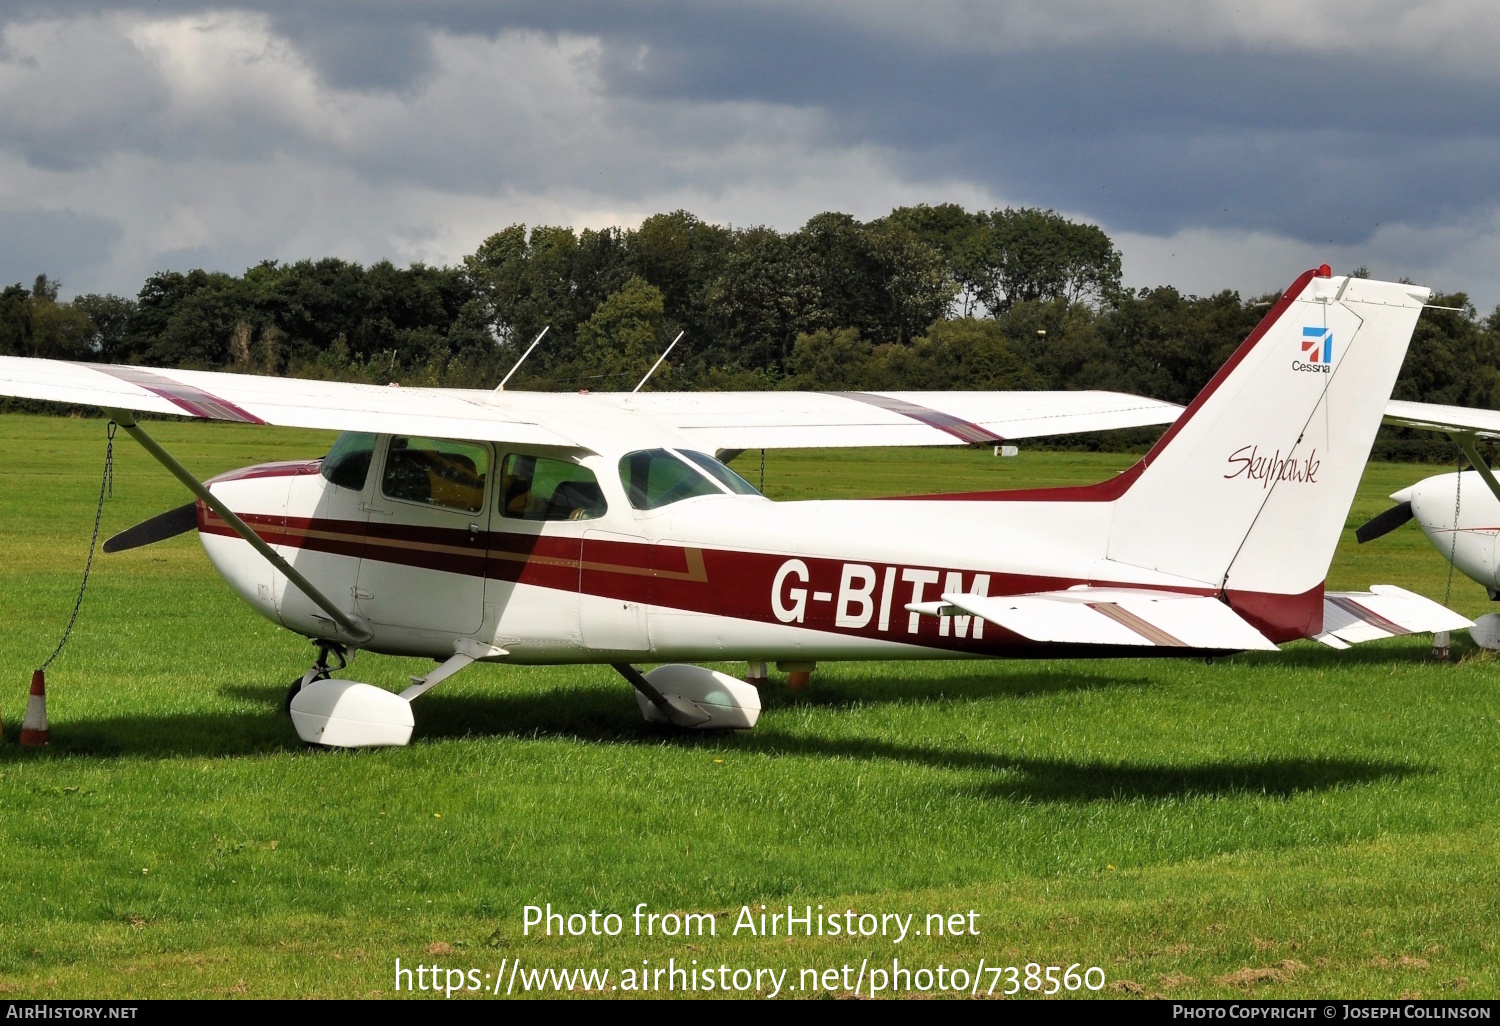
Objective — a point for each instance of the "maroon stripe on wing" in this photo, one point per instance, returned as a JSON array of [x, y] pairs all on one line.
[[955, 426], [195, 401]]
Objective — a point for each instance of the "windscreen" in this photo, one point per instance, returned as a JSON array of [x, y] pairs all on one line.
[[348, 462], [655, 478], [721, 473]]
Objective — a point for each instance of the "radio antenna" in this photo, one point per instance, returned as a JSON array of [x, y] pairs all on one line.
[[659, 359], [501, 387]]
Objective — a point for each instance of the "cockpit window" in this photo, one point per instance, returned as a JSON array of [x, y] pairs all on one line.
[[348, 462], [720, 472], [536, 488], [436, 472], [659, 477]]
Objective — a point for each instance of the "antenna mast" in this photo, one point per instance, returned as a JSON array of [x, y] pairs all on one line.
[[501, 387], [659, 359]]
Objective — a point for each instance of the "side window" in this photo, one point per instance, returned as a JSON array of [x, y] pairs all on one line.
[[348, 462], [536, 488], [436, 473], [655, 478]]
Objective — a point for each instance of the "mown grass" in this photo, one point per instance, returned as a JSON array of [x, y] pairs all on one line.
[[1308, 823]]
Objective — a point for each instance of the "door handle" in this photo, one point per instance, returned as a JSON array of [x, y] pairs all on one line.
[[376, 509], [474, 532]]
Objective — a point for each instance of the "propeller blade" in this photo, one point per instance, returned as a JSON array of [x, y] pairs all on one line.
[[1384, 523], [159, 528]]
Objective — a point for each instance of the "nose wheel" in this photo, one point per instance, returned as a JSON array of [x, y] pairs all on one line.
[[320, 670]]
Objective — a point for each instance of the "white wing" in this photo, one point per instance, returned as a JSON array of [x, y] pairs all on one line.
[[288, 402], [705, 420], [792, 420], [1111, 616], [1436, 417]]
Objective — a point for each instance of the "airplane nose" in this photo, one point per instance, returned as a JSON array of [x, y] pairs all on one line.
[[1404, 495], [1432, 500]]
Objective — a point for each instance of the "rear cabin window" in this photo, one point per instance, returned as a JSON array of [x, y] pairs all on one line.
[[536, 488], [436, 472], [348, 462]]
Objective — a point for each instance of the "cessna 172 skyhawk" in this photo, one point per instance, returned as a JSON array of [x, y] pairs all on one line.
[[561, 528]]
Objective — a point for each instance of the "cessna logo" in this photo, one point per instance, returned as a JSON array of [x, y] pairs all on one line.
[[1247, 462], [1317, 348], [866, 596]]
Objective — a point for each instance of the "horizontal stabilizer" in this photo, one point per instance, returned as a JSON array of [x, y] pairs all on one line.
[[1111, 616], [1385, 611]]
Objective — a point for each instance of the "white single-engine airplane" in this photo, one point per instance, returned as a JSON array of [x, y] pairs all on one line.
[[560, 528], [1459, 512]]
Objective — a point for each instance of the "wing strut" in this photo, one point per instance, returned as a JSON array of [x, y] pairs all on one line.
[[346, 624], [1465, 442]]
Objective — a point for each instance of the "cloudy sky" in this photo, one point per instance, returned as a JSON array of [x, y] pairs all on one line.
[[1221, 143]]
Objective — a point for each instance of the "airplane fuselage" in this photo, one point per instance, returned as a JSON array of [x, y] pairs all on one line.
[[710, 577]]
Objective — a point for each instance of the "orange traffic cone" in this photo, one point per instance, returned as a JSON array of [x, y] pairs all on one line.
[[34, 726]]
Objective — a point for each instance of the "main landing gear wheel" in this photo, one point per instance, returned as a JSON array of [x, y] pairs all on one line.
[[693, 697], [320, 671], [291, 693]]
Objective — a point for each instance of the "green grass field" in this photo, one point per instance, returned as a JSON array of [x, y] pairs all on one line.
[[1308, 823]]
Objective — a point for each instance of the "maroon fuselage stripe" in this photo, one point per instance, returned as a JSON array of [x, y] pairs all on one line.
[[717, 582], [955, 426], [189, 398]]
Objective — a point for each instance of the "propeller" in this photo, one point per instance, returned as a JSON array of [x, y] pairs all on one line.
[[1381, 524], [159, 528]]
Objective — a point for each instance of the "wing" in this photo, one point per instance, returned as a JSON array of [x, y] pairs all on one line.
[[1385, 611], [1111, 616], [288, 402], [703, 420], [1435, 417], [794, 420]]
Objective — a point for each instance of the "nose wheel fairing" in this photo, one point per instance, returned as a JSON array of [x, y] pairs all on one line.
[[348, 714], [693, 697]]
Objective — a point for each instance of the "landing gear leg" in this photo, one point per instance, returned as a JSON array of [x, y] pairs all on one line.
[[320, 669], [675, 709]]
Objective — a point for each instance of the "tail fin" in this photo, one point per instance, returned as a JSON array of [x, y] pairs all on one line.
[[1249, 489]]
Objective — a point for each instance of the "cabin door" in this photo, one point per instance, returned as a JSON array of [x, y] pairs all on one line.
[[423, 564]]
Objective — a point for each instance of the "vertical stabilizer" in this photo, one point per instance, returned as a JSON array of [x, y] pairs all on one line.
[[1249, 490]]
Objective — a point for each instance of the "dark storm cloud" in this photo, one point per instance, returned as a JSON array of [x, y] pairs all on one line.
[[59, 243], [1318, 146], [364, 53]]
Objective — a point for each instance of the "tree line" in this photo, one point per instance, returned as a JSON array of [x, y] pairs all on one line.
[[928, 297]]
